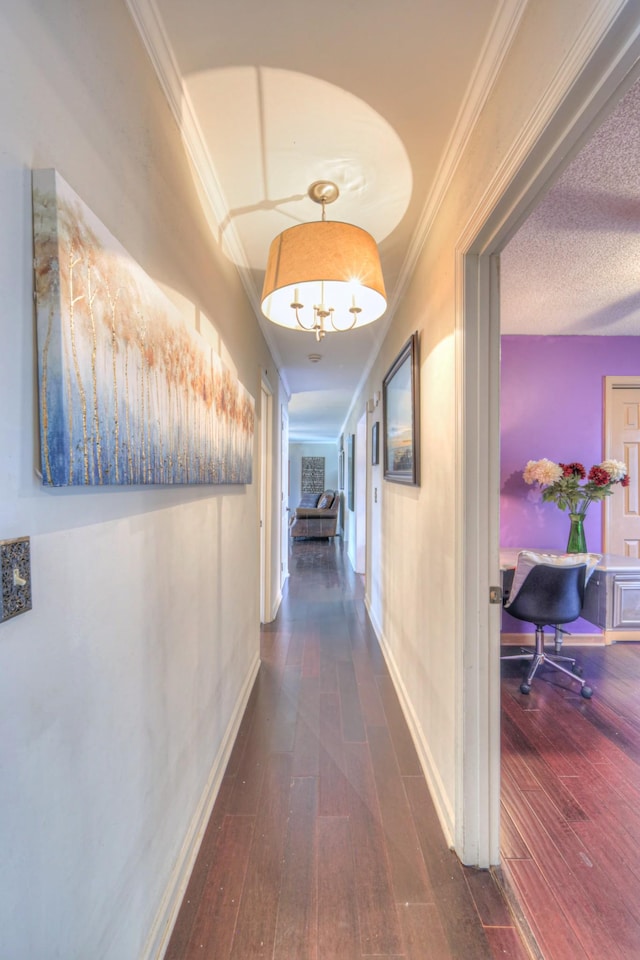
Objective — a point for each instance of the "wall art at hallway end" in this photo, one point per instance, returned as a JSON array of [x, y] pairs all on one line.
[[129, 393]]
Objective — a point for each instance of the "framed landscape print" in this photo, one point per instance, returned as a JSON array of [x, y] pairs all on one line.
[[351, 440], [401, 407]]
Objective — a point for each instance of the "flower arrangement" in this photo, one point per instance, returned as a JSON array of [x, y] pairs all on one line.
[[561, 483]]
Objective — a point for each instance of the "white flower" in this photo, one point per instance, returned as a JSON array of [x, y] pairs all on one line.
[[542, 471], [615, 468]]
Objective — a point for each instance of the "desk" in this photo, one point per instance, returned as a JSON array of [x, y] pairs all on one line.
[[612, 597]]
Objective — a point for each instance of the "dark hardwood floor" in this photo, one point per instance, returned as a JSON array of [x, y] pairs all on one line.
[[323, 843], [571, 805]]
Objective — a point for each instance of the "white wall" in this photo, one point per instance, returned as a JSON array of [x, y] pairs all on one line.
[[120, 689], [416, 594]]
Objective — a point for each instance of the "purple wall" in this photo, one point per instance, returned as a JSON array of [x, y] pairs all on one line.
[[551, 405]]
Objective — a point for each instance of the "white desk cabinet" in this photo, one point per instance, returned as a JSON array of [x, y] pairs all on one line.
[[612, 597]]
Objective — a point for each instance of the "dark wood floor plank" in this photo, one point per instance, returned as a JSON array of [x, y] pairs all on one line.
[[369, 695], [423, 933], [490, 904], [505, 944], [297, 906], [408, 873], [457, 911], [258, 910], [527, 750], [313, 837], [242, 737], [581, 892], [402, 743], [306, 746], [558, 751], [338, 932], [311, 656], [512, 846], [378, 920], [197, 888], [554, 936], [333, 786], [350, 710], [250, 772], [584, 873], [215, 919]]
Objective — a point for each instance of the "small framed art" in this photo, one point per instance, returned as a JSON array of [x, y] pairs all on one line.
[[401, 410]]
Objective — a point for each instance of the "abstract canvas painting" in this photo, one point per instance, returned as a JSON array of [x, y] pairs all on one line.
[[129, 393]]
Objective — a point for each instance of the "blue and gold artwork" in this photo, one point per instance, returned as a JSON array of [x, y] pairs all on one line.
[[129, 393]]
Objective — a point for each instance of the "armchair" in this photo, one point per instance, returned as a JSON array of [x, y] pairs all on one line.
[[316, 515]]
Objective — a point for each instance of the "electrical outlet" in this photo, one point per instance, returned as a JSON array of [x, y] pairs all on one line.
[[15, 577]]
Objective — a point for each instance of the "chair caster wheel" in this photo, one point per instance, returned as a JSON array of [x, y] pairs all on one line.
[[576, 670], [587, 692], [525, 688]]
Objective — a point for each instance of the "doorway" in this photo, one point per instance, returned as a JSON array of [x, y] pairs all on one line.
[[266, 460], [479, 448], [622, 442]]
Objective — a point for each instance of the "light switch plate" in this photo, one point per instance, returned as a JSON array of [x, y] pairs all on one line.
[[15, 577]]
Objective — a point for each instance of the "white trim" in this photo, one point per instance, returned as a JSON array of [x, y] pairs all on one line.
[[148, 21], [579, 92], [276, 605], [611, 383], [165, 918], [556, 92], [437, 790], [497, 44]]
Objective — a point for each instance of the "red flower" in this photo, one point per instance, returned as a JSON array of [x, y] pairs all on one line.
[[625, 481], [599, 476], [573, 470]]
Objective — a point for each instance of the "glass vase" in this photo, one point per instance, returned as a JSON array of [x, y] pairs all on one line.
[[577, 542]]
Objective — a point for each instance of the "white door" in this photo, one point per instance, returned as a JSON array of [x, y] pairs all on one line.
[[360, 495], [284, 495], [622, 442], [265, 503]]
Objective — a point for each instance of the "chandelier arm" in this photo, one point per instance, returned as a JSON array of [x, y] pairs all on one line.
[[351, 325], [300, 323]]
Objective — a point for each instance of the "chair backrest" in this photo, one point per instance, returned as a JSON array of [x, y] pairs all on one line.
[[550, 594]]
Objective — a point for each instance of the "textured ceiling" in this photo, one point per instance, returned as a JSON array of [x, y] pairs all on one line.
[[574, 266]]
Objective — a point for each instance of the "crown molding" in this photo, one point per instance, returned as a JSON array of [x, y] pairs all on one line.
[[148, 22], [494, 50], [594, 29]]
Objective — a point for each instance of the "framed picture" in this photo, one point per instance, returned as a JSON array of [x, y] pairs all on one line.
[[401, 410], [375, 443], [351, 441]]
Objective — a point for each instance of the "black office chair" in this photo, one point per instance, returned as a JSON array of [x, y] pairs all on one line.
[[549, 595]]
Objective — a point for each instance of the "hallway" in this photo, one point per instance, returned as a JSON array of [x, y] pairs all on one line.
[[323, 843]]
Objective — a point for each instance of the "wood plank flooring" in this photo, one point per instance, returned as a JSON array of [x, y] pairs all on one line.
[[324, 843], [571, 805]]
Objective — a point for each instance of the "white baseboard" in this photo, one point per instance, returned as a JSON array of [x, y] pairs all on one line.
[[162, 927], [434, 782], [276, 605]]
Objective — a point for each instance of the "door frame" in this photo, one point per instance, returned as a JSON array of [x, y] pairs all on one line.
[[265, 498], [575, 108], [611, 384]]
